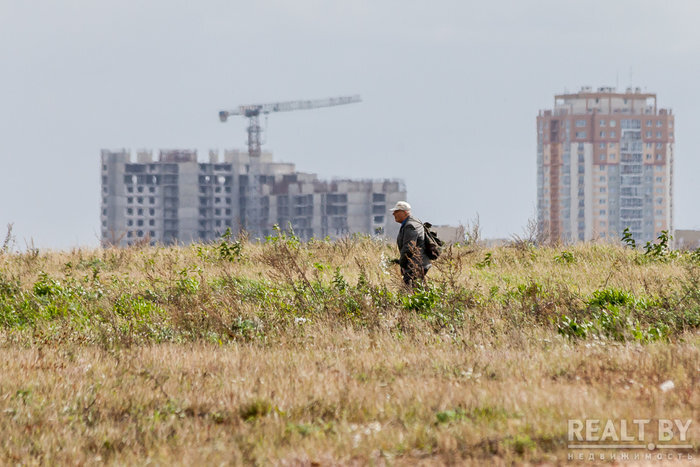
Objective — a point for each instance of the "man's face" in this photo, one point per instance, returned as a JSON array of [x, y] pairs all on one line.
[[400, 216]]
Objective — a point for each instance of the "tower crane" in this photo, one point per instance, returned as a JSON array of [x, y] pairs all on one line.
[[253, 216], [253, 111]]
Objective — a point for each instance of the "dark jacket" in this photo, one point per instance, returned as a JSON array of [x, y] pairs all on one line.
[[411, 240]]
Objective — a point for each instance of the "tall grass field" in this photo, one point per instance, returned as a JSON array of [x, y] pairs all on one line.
[[314, 353]]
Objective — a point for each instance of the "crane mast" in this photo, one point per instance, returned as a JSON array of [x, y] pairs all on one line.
[[252, 211]]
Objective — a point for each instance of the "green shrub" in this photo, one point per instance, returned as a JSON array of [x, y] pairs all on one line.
[[185, 284], [611, 296], [695, 256], [137, 308], [486, 262], [421, 300], [613, 323], [228, 249], [565, 257], [570, 327]]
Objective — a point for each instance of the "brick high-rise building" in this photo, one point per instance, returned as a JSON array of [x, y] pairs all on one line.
[[605, 163]]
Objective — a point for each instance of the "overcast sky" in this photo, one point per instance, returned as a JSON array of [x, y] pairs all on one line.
[[450, 90]]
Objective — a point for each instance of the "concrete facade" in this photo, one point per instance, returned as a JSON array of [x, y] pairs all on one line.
[[176, 198], [450, 234], [605, 163]]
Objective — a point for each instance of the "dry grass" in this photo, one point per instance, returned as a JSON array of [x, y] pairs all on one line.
[[313, 354]]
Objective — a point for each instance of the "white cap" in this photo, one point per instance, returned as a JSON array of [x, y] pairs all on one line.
[[401, 206]]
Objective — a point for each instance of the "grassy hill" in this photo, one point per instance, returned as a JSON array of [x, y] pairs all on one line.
[[302, 353]]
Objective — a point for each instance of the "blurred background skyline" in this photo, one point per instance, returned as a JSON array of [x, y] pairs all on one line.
[[455, 83]]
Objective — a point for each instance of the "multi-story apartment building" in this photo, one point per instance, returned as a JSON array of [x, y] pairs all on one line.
[[605, 163], [174, 197]]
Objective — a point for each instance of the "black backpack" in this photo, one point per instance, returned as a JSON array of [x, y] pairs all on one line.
[[432, 244]]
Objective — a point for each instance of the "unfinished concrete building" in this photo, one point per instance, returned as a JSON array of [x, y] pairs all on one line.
[[604, 164], [176, 198]]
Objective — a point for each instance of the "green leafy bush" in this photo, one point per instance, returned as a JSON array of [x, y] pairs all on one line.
[[421, 300], [611, 296], [565, 257]]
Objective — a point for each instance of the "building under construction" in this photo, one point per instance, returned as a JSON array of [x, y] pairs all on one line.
[[605, 164], [176, 198]]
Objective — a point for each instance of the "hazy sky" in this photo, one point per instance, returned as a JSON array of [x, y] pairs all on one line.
[[450, 94]]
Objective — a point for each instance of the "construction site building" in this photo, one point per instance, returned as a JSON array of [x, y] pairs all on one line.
[[605, 164], [176, 198]]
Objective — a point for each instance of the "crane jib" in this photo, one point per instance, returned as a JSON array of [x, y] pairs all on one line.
[[253, 111], [256, 109]]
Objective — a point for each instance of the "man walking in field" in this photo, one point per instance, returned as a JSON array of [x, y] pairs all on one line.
[[413, 259]]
